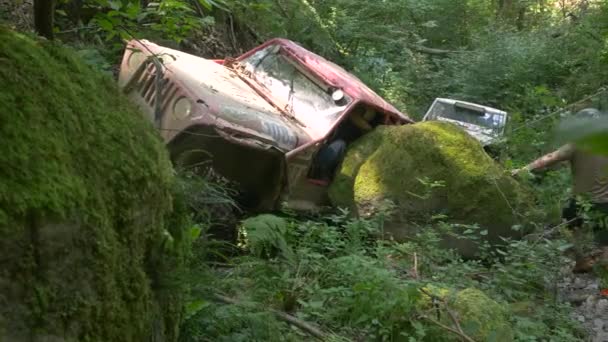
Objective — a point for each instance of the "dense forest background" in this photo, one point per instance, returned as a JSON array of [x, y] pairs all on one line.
[[528, 57], [540, 60]]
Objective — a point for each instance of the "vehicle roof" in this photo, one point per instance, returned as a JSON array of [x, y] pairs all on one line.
[[334, 75]]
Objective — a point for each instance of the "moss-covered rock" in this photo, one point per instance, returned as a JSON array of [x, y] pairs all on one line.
[[405, 164], [85, 195], [482, 318]]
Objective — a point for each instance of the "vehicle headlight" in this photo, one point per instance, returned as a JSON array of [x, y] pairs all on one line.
[[135, 59], [182, 108]]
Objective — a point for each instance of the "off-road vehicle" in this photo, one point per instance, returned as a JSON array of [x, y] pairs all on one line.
[[484, 123], [258, 120]]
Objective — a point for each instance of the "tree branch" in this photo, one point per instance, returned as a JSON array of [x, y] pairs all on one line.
[[431, 51], [450, 329], [458, 331]]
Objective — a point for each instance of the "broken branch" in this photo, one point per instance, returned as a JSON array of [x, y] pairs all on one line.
[[431, 51], [415, 269], [458, 331], [450, 329]]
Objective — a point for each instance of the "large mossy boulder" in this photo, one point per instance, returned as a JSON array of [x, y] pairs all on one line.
[[85, 201], [429, 169]]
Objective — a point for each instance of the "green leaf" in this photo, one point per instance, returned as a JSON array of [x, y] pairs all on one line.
[[115, 5], [132, 10], [192, 308], [315, 304], [214, 3], [207, 4], [194, 232], [105, 24]]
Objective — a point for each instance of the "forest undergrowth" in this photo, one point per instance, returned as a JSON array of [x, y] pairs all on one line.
[[532, 58], [332, 273]]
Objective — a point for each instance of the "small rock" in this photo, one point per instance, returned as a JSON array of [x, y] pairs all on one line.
[[601, 337], [592, 287], [578, 283], [598, 324], [581, 318], [602, 307], [590, 302]]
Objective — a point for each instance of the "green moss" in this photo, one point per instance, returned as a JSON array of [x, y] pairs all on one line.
[[342, 189], [391, 161], [84, 198], [481, 318]]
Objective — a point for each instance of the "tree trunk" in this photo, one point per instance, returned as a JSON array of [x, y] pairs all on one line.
[[521, 15], [506, 9], [74, 10], [44, 11]]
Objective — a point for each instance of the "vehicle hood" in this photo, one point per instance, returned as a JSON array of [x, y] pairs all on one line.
[[237, 108]]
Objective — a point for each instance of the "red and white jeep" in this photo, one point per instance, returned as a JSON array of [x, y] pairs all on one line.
[[259, 119]]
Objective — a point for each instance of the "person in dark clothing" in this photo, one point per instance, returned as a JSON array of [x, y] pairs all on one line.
[[590, 180], [329, 156]]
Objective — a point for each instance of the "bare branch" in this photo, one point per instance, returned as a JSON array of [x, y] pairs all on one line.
[[431, 51], [458, 331], [450, 329], [415, 268]]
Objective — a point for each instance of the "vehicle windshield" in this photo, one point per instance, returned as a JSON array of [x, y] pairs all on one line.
[[307, 99], [491, 121]]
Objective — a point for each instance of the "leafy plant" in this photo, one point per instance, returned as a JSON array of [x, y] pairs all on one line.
[[340, 278]]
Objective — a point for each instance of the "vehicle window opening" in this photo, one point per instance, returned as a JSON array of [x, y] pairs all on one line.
[[295, 88], [360, 120]]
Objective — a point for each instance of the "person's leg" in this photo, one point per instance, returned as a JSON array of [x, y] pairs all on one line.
[[329, 157], [586, 253], [570, 215], [600, 225]]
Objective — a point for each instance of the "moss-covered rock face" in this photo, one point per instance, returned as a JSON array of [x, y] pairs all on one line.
[[84, 197], [405, 163]]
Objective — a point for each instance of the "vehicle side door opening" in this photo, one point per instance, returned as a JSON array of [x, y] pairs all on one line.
[[359, 121]]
